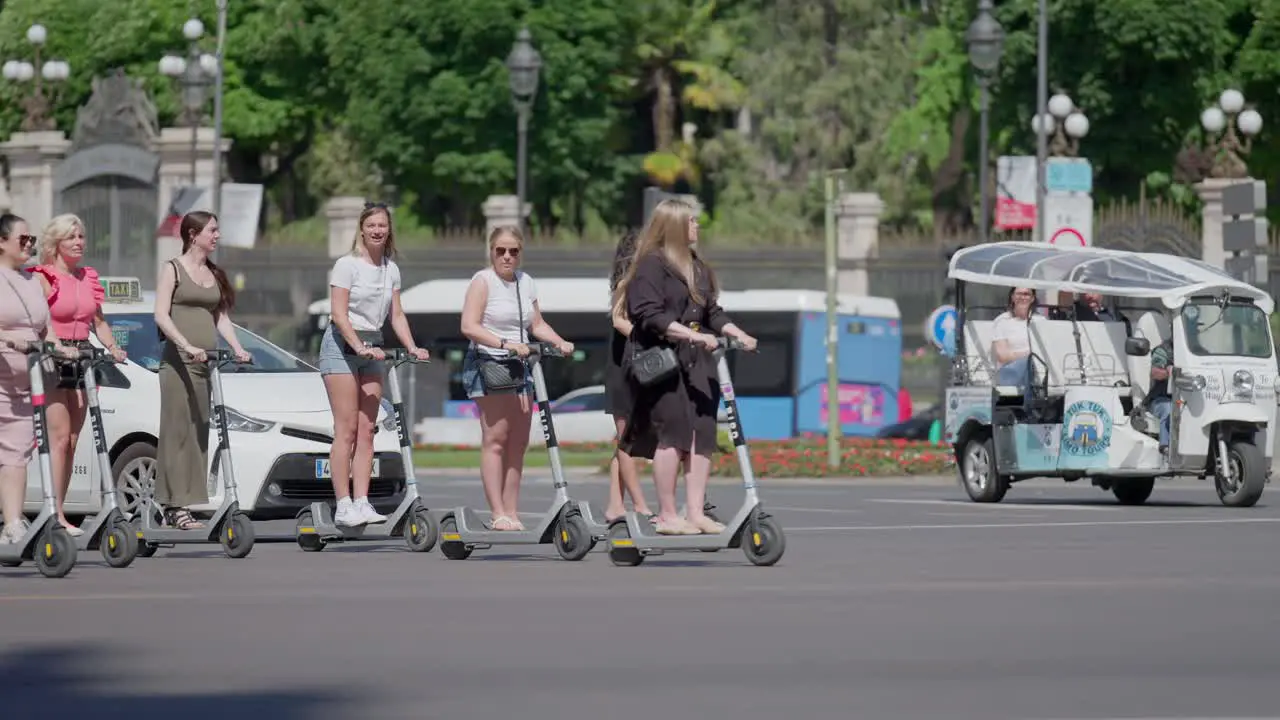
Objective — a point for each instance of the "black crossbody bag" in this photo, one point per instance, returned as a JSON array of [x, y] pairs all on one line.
[[653, 365], [505, 374]]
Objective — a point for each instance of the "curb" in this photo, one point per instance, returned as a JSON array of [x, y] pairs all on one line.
[[592, 473]]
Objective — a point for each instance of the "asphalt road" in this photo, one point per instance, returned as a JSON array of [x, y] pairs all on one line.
[[893, 601]]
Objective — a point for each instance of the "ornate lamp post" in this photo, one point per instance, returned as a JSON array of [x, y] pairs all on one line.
[[37, 105], [1227, 150], [1065, 122], [523, 65], [986, 44], [194, 74]]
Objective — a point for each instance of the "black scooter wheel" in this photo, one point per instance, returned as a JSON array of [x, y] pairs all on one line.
[[572, 537], [420, 531], [622, 551], [55, 553], [451, 548], [764, 541], [309, 542], [119, 544], [236, 535]]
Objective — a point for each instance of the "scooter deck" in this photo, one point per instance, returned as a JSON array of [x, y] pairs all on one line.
[[594, 518], [172, 536], [646, 539], [323, 526], [97, 527], [25, 551], [471, 529]]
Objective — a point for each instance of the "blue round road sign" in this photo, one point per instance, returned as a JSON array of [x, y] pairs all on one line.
[[940, 328]]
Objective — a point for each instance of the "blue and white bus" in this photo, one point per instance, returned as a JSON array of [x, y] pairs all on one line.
[[781, 389]]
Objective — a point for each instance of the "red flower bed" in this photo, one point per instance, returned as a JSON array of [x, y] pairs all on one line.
[[859, 457]]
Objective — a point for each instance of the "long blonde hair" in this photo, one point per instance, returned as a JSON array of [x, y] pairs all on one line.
[[371, 209], [667, 233], [58, 229]]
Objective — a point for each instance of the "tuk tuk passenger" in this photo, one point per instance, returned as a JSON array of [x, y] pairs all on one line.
[[1011, 343]]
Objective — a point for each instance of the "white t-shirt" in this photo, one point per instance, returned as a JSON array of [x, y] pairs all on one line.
[[1014, 331], [501, 315], [370, 286]]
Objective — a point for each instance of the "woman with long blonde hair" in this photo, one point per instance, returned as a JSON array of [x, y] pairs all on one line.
[[75, 299], [670, 295], [364, 290]]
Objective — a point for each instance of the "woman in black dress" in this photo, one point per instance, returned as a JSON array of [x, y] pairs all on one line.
[[617, 393], [670, 295]]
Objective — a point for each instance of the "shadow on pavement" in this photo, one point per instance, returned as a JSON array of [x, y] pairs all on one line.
[[56, 681]]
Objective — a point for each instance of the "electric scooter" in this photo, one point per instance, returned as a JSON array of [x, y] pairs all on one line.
[[568, 524], [229, 526], [109, 530], [632, 538], [410, 520], [45, 541]]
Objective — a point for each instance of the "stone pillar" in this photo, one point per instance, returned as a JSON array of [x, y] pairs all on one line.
[[343, 214], [857, 239], [173, 146], [1210, 191], [32, 159], [500, 210]]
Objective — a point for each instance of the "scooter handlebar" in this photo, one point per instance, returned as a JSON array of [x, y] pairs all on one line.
[[545, 349], [398, 356], [222, 356], [728, 343]]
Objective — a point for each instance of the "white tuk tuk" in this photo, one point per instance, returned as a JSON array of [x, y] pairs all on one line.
[[1085, 413]]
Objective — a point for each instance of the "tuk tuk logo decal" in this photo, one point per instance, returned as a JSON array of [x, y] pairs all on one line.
[[1086, 429]]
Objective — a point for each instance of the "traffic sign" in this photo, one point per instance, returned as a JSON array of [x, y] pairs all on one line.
[[1068, 174], [940, 328], [1069, 220]]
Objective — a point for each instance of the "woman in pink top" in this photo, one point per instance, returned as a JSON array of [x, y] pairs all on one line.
[[75, 307]]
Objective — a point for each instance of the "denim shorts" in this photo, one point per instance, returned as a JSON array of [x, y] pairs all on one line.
[[334, 362], [473, 380]]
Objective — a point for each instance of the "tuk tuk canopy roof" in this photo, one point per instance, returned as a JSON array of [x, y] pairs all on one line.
[[1114, 273]]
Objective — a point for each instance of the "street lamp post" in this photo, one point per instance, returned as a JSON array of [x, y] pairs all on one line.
[[37, 105], [193, 74], [217, 109], [1227, 150], [986, 43], [523, 65], [1066, 124]]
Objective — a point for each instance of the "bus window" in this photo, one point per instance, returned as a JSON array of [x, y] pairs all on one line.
[[765, 372]]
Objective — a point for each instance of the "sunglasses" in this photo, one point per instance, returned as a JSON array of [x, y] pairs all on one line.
[[501, 251]]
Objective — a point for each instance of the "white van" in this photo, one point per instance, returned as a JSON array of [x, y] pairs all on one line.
[[277, 411]]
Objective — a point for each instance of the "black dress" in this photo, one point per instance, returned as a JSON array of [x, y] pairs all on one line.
[[617, 391], [679, 412]]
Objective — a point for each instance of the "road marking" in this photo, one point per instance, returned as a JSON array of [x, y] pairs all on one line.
[[995, 506], [1081, 523], [817, 510]]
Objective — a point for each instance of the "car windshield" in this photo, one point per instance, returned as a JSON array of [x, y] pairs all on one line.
[[1238, 329], [136, 333]]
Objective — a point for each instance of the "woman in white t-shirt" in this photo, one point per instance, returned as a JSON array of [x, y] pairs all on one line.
[[1011, 337], [364, 288], [499, 316]]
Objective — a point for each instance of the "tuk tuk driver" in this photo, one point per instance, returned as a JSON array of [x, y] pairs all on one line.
[[1158, 400]]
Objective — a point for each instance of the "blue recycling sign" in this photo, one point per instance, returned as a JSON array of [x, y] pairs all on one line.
[[940, 328]]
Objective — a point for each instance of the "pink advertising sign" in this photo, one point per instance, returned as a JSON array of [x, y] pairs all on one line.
[[859, 404]]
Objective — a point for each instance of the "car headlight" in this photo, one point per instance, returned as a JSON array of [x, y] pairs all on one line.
[[389, 422], [237, 422]]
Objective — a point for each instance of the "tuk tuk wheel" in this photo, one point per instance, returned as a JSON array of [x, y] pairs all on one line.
[[1247, 479], [978, 472], [1132, 491]]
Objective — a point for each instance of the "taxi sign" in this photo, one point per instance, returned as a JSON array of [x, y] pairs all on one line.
[[121, 289]]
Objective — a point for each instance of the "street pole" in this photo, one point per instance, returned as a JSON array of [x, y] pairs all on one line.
[[1042, 110], [522, 120], [833, 375], [217, 114], [984, 106]]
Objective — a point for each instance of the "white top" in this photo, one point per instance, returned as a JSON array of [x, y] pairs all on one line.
[[501, 316], [1014, 331], [371, 287]]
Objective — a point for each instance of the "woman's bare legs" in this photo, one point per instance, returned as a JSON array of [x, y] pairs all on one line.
[[495, 426], [344, 402], [666, 466], [695, 485], [65, 413], [362, 458], [13, 491], [520, 415], [622, 475]]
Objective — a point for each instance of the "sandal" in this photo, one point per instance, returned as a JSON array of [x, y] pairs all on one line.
[[182, 519], [679, 526], [501, 522]]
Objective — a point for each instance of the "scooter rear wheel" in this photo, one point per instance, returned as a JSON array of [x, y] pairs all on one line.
[[309, 542], [119, 544], [56, 553], [236, 535], [452, 549], [627, 555], [420, 531], [572, 537], [764, 542]]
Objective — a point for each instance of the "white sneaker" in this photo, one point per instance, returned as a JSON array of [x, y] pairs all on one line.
[[367, 513], [348, 514]]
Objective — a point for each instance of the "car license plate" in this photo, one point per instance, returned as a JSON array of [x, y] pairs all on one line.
[[322, 468]]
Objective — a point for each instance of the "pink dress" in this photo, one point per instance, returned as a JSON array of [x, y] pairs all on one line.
[[73, 301], [24, 315]]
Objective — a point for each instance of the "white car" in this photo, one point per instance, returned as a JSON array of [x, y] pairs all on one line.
[[579, 417], [278, 416]]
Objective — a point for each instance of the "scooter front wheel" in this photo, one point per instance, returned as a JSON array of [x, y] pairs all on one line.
[[764, 542], [56, 553], [236, 535], [420, 531], [119, 544], [573, 537]]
